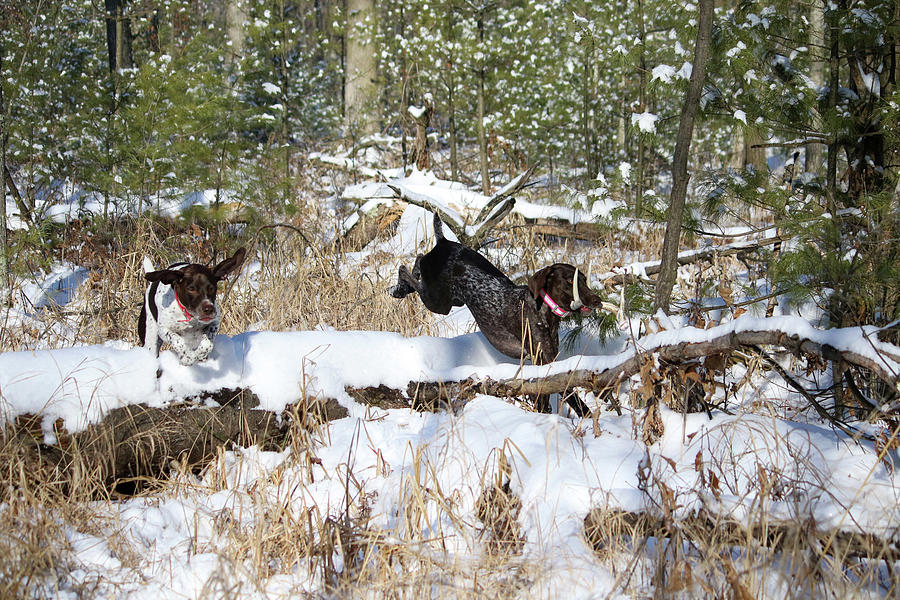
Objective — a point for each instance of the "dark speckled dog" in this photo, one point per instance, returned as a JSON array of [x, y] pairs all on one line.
[[518, 320]]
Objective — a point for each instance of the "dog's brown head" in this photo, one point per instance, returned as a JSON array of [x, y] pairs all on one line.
[[196, 285], [557, 281]]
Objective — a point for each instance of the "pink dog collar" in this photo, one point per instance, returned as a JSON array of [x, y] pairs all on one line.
[[558, 310]]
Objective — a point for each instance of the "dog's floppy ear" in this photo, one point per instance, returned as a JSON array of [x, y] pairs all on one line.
[[538, 281], [167, 276], [221, 270]]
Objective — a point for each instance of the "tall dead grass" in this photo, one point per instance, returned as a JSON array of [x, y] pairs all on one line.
[[298, 285]]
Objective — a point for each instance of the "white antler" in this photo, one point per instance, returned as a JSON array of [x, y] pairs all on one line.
[[576, 303]]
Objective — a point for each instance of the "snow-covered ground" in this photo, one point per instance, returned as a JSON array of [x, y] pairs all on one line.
[[559, 467]]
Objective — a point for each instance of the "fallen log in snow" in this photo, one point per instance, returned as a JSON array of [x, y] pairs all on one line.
[[140, 441], [137, 443], [678, 346]]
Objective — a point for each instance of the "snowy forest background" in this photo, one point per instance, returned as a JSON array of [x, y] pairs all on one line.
[[308, 131], [133, 101]]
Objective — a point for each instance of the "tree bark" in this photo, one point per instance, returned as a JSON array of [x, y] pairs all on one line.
[[638, 181], [680, 173], [118, 36], [5, 284], [754, 153], [360, 85], [590, 170], [420, 153], [404, 90], [482, 134], [833, 84], [234, 29], [814, 152]]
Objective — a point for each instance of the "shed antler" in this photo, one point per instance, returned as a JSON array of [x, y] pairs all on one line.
[[576, 303]]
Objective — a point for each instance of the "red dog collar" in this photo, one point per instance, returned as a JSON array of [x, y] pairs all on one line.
[[184, 310]]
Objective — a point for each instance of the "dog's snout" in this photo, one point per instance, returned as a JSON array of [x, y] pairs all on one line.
[[207, 308]]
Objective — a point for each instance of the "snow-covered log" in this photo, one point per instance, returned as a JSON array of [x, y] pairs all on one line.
[[852, 345], [137, 442]]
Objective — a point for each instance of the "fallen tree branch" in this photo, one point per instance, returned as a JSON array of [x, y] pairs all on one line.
[[455, 394], [687, 258], [494, 211], [451, 221]]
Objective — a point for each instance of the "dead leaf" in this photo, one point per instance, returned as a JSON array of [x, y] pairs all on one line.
[[726, 293], [653, 428]]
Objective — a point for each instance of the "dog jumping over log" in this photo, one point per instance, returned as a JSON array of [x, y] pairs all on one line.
[[518, 320]]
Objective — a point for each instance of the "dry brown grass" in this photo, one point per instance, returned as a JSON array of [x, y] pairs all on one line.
[[707, 553], [299, 286]]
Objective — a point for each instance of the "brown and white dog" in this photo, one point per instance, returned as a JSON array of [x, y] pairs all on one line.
[[518, 320], [180, 307]]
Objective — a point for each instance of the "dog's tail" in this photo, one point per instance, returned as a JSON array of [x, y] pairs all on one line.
[[148, 265], [438, 228]]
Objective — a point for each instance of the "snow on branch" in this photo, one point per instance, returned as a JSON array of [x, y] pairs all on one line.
[[856, 346], [638, 272], [494, 211]]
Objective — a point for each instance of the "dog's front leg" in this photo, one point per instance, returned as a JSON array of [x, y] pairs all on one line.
[[186, 356], [417, 268], [205, 348]]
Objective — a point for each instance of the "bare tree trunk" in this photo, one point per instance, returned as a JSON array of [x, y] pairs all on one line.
[[118, 36], [623, 120], [234, 29], [680, 175], [286, 111], [4, 243], [404, 90], [420, 154], [589, 171], [642, 103], [814, 154], [360, 87], [153, 33], [737, 153], [451, 123], [450, 82], [833, 81], [482, 136], [754, 153]]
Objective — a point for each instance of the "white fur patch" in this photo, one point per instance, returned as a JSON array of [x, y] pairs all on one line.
[[190, 338]]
